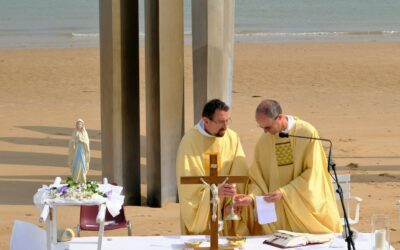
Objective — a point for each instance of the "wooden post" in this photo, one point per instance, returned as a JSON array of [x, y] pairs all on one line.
[[214, 223], [213, 178]]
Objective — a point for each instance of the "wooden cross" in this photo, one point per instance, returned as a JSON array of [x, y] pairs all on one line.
[[213, 179]]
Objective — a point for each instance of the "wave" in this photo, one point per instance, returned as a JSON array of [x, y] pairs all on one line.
[[85, 35], [238, 33], [391, 32], [319, 33], [384, 32]]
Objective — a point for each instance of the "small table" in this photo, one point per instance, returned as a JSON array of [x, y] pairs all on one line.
[[48, 213]]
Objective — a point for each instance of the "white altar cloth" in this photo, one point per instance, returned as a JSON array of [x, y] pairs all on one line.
[[363, 242], [113, 202]]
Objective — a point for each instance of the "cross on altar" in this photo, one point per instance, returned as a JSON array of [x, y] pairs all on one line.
[[212, 181]]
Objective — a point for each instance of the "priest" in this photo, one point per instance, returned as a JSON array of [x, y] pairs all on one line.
[[210, 135], [292, 173]]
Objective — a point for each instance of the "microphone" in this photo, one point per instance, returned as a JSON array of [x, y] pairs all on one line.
[[283, 135], [286, 135]]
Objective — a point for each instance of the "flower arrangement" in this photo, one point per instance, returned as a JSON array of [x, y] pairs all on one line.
[[76, 191]]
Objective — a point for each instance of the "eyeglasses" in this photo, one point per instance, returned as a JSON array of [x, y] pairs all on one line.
[[268, 127], [265, 127], [228, 121]]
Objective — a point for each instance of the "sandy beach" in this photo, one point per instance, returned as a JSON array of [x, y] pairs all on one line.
[[349, 91]]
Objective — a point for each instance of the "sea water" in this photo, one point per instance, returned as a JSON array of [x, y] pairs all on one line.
[[75, 23]]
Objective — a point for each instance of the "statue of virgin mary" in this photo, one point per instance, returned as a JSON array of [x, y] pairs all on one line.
[[79, 152]]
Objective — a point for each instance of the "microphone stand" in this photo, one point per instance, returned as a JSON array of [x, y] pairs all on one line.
[[339, 190], [347, 228]]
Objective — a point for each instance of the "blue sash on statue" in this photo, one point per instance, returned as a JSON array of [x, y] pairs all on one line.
[[79, 157]]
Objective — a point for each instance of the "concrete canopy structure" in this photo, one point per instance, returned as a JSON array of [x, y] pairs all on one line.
[[119, 76], [164, 96], [213, 22], [213, 30]]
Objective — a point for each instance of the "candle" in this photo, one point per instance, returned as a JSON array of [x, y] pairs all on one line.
[[380, 239]]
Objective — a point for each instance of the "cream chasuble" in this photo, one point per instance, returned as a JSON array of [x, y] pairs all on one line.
[[298, 168], [194, 199]]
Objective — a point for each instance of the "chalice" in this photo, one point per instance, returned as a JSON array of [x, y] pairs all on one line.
[[232, 215]]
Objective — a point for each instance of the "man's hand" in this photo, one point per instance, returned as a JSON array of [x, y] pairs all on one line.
[[274, 196], [242, 200], [227, 190]]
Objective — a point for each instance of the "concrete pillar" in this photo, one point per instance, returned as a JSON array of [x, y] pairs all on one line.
[[119, 77], [164, 96], [213, 29]]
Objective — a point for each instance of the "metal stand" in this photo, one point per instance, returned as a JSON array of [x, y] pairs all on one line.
[[347, 228]]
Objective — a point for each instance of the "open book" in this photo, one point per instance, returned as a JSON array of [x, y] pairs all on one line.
[[286, 239]]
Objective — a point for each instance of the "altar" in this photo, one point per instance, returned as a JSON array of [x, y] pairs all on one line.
[[29, 236], [362, 242]]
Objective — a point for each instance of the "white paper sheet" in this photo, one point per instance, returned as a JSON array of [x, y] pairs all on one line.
[[265, 211]]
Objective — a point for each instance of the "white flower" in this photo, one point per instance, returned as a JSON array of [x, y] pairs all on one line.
[[76, 191]]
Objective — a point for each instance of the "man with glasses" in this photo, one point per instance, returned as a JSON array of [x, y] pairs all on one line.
[[211, 134], [292, 173]]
